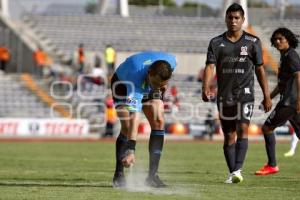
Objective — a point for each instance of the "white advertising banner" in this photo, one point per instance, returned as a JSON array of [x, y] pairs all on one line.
[[54, 127]]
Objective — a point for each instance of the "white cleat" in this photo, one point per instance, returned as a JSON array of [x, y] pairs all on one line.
[[237, 176], [229, 179], [289, 153]]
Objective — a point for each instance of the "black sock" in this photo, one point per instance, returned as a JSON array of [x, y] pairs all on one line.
[[229, 153], [270, 142], [120, 150], [155, 148], [241, 148]]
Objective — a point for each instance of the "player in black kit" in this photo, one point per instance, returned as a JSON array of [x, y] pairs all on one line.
[[288, 108], [236, 54]]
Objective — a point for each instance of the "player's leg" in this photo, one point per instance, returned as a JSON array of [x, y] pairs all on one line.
[[229, 150], [154, 112], [229, 146], [123, 115], [241, 147], [295, 122], [119, 91], [245, 111], [121, 142], [293, 146], [228, 124], [294, 143], [277, 118]]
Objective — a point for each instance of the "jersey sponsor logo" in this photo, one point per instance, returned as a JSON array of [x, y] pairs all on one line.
[[147, 62], [236, 59], [253, 39], [242, 59], [233, 71], [244, 51]]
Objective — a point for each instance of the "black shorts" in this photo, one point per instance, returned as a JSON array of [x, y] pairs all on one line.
[[232, 115], [119, 92], [281, 114]]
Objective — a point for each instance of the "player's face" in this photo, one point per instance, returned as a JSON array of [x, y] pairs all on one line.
[[234, 21], [281, 42], [156, 82]]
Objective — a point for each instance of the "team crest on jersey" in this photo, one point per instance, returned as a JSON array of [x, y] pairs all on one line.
[[244, 51]]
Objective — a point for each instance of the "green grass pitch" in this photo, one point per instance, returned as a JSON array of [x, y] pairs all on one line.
[[57, 170]]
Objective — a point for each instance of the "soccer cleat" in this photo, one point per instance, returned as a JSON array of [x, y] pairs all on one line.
[[237, 176], [154, 181], [289, 153], [266, 170], [229, 179], [119, 181]]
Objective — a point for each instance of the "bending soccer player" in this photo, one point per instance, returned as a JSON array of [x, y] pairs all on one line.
[[236, 55], [288, 108], [138, 85]]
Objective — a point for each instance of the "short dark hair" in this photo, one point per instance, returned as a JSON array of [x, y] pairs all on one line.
[[235, 7], [288, 34], [162, 68]]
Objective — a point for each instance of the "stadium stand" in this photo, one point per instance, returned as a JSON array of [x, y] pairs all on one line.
[[18, 101], [175, 34]]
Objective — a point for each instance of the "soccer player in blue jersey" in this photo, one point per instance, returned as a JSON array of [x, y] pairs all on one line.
[[138, 85]]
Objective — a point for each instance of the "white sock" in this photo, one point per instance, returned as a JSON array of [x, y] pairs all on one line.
[[294, 142]]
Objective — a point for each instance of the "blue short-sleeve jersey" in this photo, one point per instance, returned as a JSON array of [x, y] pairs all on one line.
[[133, 71]]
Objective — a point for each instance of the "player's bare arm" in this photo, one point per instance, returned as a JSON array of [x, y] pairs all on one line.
[[208, 76], [262, 80]]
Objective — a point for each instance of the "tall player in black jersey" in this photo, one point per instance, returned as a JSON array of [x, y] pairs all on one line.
[[288, 108], [236, 55]]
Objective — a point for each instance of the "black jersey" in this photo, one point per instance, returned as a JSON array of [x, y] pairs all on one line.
[[235, 63], [289, 64]]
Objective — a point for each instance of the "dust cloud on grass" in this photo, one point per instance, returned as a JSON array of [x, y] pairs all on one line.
[[135, 179]]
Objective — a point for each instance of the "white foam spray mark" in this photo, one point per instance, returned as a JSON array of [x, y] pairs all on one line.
[[135, 182]]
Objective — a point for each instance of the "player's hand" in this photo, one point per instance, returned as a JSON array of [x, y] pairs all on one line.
[[128, 160], [267, 103], [207, 95]]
